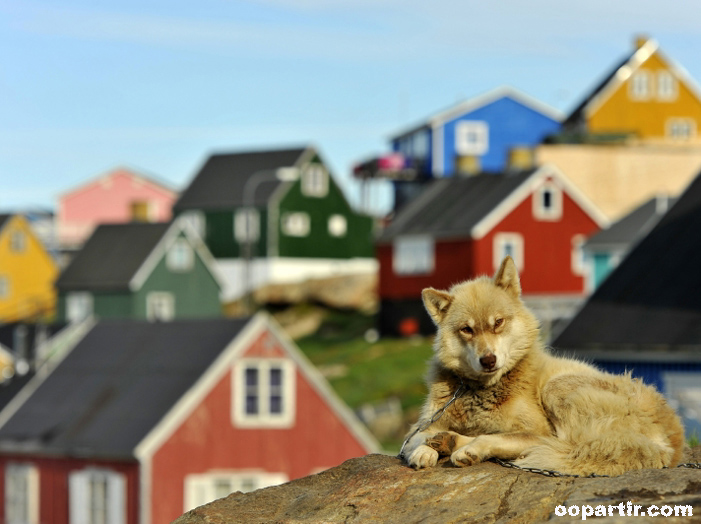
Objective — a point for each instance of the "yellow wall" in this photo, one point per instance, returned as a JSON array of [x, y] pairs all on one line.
[[30, 274], [648, 118]]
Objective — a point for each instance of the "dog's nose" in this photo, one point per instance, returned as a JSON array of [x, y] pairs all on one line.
[[488, 361]]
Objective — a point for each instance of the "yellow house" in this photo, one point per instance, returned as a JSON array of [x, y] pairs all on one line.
[[646, 97], [27, 273]]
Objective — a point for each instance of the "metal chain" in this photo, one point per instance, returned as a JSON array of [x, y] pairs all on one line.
[[438, 414], [553, 473]]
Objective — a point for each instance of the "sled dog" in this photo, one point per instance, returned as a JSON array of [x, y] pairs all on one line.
[[515, 401]]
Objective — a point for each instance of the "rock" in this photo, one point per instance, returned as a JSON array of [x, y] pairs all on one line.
[[380, 488]]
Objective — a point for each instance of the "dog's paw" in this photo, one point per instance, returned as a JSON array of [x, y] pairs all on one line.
[[443, 443], [423, 457], [463, 458]]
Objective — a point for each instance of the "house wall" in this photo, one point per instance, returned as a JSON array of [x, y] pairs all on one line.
[[510, 124], [107, 200], [548, 248], [29, 274], [220, 237], [207, 440], [647, 118], [619, 178], [53, 484], [106, 304]]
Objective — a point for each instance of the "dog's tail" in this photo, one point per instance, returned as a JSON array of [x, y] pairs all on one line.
[[607, 447]]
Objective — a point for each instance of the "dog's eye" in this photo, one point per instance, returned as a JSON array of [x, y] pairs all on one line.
[[498, 322], [467, 330]]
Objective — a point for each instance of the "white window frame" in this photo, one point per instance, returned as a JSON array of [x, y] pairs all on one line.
[[21, 493], [471, 137], [5, 289], [160, 306], [579, 264], [246, 225], [18, 241], [500, 249], [413, 255], [79, 305], [337, 226], [180, 258], [295, 224], [197, 220], [641, 85], [202, 488], [94, 490], [667, 87], [673, 124], [263, 391], [315, 181], [553, 213]]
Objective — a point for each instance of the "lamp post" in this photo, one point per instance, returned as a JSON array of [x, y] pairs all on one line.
[[250, 234]]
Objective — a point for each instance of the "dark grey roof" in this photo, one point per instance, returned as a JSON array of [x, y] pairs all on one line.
[[117, 383], [4, 218], [654, 296], [219, 183], [111, 256], [451, 207], [631, 227]]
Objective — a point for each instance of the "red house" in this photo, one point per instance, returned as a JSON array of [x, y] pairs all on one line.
[[142, 421], [462, 227]]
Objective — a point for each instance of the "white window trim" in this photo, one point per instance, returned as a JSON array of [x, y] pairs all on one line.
[[295, 224], [539, 210], [671, 122], [408, 245], [200, 488], [337, 226], [29, 474], [498, 251], [634, 92], [465, 128], [664, 76], [79, 305], [173, 263], [579, 264], [160, 297], [79, 496], [18, 241], [197, 220], [315, 181], [264, 419], [241, 218], [5, 289]]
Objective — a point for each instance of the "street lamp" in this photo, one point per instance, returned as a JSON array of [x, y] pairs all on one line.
[[250, 233]]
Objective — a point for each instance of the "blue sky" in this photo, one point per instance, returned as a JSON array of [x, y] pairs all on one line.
[[156, 85]]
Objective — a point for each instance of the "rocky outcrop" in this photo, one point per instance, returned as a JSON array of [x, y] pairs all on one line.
[[380, 488]]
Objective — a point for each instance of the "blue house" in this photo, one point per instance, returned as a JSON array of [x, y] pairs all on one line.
[[489, 133]]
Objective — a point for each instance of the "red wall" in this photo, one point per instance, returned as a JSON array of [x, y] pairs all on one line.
[[53, 484], [207, 440]]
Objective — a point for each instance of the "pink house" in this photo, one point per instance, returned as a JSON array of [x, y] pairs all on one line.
[[119, 196]]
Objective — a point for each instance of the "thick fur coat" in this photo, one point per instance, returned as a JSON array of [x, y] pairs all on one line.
[[518, 402]]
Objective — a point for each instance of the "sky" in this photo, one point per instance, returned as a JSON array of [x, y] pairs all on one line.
[[159, 85]]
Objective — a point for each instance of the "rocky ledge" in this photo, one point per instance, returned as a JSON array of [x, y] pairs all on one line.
[[380, 488]]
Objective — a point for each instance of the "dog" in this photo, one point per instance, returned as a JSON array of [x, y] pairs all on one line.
[[513, 400]]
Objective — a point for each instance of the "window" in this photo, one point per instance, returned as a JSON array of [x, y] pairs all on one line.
[[413, 255], [264, 393], [180, 256], [141, 211], [471, 137], [21, 494], [295, 224], [197, 220], [206, 487], [666, 86], [4, 287], [681, 128], [547, 202], [508, 244], [18, 242], [337, 226], [160, 306], [96, 496], [246, 225], [578, 259], [641, 85], [315, 181], [79, 306]]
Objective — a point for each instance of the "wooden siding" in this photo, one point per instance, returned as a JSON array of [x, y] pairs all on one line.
[[53, 484], [207, 440]]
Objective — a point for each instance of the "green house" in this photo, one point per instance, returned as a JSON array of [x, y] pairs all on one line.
[[275, 216], [142, 271]]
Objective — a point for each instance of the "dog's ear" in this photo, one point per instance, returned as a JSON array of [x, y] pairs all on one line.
[[436, 303], [506, 277]]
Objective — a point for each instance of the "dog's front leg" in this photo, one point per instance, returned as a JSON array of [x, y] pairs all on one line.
[[417, 454], [507, 446]]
